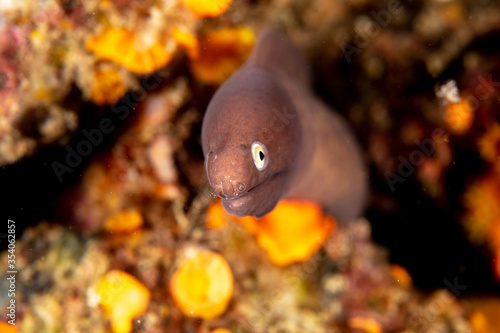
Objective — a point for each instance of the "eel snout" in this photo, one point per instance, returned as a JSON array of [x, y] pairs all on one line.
[[228, 178]]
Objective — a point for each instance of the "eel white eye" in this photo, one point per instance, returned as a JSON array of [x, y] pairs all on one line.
[[259, 154]]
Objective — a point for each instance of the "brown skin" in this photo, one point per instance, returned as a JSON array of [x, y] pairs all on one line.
[[309, 151]]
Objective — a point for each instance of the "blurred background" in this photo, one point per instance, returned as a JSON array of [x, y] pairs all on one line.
[[101, 104]]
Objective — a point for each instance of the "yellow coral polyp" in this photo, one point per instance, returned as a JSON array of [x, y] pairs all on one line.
[[484, 314], [483, 211], [401, 275], [292, 232], [202, 286], [221, 53], [124, 221], [216, 217], [220, 330], [489, 144], [207, 8], [367, 325], [107, 86], [459, 116], [187, 42], [7, 328], [478, 322], [123, 47], [122, 298]]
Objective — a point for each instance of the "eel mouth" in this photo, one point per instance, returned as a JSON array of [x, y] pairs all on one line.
[[258, 200], [247, 192], [240, 205]]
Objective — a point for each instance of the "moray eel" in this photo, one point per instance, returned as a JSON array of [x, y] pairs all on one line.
[[266, 137]]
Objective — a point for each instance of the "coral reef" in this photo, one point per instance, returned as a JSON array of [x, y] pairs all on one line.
[[118, 89], [67, 279], [57, 55]]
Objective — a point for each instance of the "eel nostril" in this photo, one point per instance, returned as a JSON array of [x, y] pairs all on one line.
[[241, 187]]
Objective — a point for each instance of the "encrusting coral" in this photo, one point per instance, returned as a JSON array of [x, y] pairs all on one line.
[[123, 221], [123, 298], [489, 146], [222, 52], [159, 283], [292, 232], [7, 328], [202, 286], [482, 197], [207, 8], [92, 46], [136, 213], [124, 48]]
